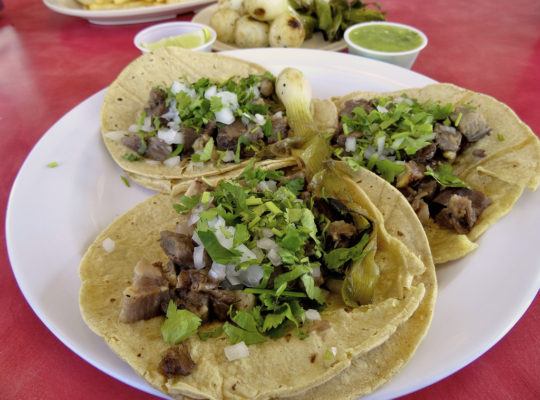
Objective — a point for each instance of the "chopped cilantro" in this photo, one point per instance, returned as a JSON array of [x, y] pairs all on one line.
[[500, 137], [445, 176], [52, 164], [245, 330], [206, 334], [179, 324], [186, 203], [206, 153], [216, 251], [131, 157], [125, 180], [176, 151], [337, 258], [295, 185]]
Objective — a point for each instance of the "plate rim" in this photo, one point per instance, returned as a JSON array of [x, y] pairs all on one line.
[[524, 304]]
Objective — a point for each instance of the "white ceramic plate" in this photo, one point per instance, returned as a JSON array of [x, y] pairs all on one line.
[[54, 214], [316, 42], [126, 15]]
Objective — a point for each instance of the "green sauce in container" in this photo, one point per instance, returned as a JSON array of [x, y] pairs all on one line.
[[387, 38]]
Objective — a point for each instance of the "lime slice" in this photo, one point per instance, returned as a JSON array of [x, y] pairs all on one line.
[[189, 40]]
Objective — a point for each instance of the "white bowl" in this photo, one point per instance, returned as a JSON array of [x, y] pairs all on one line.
[[402, 58], [157, 32]]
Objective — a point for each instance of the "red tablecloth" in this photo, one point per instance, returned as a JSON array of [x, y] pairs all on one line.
[[49, 63]]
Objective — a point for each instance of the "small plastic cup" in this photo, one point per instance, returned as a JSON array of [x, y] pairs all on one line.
[[403, 59], [157, 32]]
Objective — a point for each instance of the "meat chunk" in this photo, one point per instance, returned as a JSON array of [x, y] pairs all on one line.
[[462, 208], [190, 135], [221, 301], [473, 125], [178, 247], [280, 128], [195, 280], [196, 187], [143, 299], [341, 233], [421, 209], [228, 135], [267, 88], [200, 142], [196, 302], [427, 188], [447, 138], [133, 142], [156, 103], [168, 271], [157, 149], [350, 105], [425, 153], [413, 172], [176, 362]]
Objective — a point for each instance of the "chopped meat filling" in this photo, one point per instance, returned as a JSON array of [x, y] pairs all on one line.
[[177, 362]]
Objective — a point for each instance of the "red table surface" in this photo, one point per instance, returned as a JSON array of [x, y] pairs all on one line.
[[49, 63]]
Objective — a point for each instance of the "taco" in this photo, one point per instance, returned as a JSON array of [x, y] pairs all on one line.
[[174, 115], [262, 286], [461, 159]]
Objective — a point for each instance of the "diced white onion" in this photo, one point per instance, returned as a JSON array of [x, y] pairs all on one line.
[[216, 222], [264, 186], [218, 271], [170, 136], [133, 128], [228, 99], [259, 119], [228, 156], [252, 276], [223, 240], [178, 87], [147, 125], [115, 135], [236, 351], [247, 254], [316, 272], [210, 92], [266, 244], [172, 162], [152, 162], [232, 275], [313, 315], [256, 92], [108, 245], [194, 217], [274, 257], [279, 115], [267, 232], [350, 144], [369, 152], [198, 257], [382, 109], [380, 145], [333, 350], [225, 116], [196, 238]]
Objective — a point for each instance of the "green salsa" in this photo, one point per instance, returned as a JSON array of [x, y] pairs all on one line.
[[381, 37]]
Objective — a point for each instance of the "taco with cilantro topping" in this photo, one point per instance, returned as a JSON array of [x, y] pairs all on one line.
[[174, 115], [462, 159], [263, 286]]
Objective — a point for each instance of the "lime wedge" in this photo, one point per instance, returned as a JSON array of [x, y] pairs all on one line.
[[189, 40]]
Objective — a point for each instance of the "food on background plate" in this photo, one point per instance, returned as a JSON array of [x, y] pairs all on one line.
[[386, 38], [462, 159], [123, 4], [311, 282], [279, 23], [173, 115], [188, 40]]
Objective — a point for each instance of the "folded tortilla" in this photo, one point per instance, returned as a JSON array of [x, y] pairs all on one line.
[[128, 95], [510, 165], [402, 308]]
